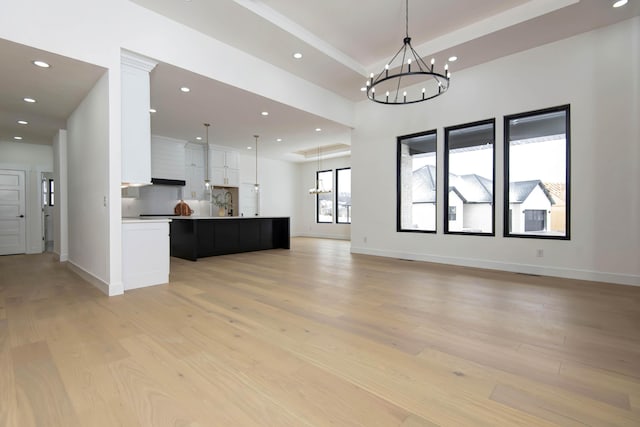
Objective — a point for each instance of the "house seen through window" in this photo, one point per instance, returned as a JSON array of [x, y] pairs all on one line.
[[469, 178], [537, 173], [417, 182]]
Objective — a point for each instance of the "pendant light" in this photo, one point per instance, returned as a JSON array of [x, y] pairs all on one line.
[[207, 183], [319, 188], [256, 186]]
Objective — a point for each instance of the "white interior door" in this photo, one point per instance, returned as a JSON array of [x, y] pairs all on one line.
[[12, 209]]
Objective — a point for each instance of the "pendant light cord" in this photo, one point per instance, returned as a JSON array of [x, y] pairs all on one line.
[[256, 137], [318, 171], [206, 152]]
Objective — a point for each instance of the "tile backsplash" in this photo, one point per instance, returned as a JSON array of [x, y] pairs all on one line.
[[161, 200]]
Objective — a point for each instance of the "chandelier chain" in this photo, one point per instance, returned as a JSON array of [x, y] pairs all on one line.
[[407, 19]]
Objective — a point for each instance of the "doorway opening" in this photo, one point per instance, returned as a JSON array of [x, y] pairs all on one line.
[[48, 201]]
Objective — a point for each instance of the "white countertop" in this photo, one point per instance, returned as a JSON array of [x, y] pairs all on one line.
[[137, 220], [226, 217], [150, 219]]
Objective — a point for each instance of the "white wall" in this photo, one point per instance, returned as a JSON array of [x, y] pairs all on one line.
[[597, 73], [277, 181], [88, 187], [60, 209], [33, 159], [306, 212], [31, 155]]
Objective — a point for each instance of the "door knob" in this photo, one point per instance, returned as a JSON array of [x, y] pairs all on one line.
[[20, 216]]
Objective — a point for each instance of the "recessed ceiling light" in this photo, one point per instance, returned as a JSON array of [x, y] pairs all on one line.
[[318, 129], [153, 110], [23, 122], [185, 89], [265, 113], [278, 139], [620, 3], [453, 58], [297, 55], [249, 148], [40, 64], [29, 100], [363, 89], [17, 138]]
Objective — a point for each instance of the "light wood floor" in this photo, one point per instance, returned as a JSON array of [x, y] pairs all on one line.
[[316, 336]]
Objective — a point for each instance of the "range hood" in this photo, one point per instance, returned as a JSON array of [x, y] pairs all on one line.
[[164, 181]]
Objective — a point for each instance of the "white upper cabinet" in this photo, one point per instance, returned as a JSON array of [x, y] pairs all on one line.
[[167, 158], [194, 171], [232, 159], [217, 157], [224, 167], [136, 123]]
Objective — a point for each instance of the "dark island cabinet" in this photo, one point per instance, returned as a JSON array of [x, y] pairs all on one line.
[[193, 238]]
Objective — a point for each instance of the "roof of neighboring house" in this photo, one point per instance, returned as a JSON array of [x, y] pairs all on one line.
[[470, 188], [558, 191], [424, 185], [519, 191]]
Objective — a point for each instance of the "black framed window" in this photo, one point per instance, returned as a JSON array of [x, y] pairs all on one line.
[[52, 193], [324, 199], [469, 177], [536, 159], [416, 181], [45, 192], [343, 196]]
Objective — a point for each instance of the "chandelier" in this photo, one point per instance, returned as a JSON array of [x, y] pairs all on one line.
[[408, 65]]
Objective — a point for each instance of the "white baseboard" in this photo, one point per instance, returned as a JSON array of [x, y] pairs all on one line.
[[567, 273], [61, 257], [105, 288], [116, 289], [324, 236], [137, 279]]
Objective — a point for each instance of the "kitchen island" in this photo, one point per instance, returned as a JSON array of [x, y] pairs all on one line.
[[198, 237]]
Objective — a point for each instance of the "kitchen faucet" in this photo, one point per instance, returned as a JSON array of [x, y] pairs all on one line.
[[229, 202]]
